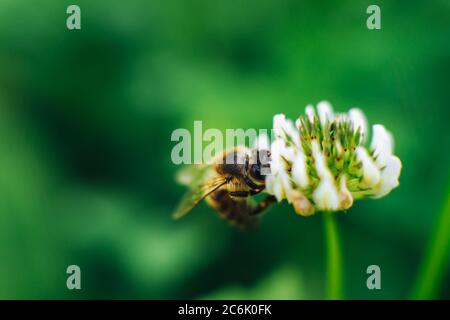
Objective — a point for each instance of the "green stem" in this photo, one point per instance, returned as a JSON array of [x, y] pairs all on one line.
[[333, 258], [433, 266]]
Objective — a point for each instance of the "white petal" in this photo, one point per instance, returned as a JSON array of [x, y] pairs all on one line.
[[326, 196], [283, 128], [279, 153], [270, 181], [292, 132], [278, 124], [359, 120], [275, 150], [310, 113], [285, 182], [278, 185], [381, 144], [278, 191], [290, 128], [288, 153], [325, 111], [274, 187], [389, 177], [345, 197], [299, 171], [319, 159], [371, 174]]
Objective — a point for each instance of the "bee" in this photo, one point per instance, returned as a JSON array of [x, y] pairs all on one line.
[[227, 183]]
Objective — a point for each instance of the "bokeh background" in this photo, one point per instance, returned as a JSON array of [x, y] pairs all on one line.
[[86, 117]]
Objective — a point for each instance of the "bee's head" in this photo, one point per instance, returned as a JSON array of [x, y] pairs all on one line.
[[259, 166]]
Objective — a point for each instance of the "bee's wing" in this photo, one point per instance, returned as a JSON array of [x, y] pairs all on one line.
[[192, 174], [205, 185]]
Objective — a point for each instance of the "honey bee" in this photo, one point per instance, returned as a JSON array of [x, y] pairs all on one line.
[[227, 183]]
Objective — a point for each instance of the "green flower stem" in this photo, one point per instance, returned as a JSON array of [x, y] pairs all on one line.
[[433, 266], [333, 258]]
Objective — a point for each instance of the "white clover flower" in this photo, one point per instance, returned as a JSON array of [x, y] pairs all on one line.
[[322, 164]]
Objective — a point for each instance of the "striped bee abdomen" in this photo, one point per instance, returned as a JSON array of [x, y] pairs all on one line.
[[237, 212]]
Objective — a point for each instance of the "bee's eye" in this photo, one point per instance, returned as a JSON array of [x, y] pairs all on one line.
[[255, 172]]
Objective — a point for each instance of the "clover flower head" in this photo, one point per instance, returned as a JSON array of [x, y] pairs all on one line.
[[321, 163]]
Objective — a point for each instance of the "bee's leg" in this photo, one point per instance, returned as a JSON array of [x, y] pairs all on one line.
[[262, 205]]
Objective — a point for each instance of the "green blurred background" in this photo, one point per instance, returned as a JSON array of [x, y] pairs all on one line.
[[86, 117]]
